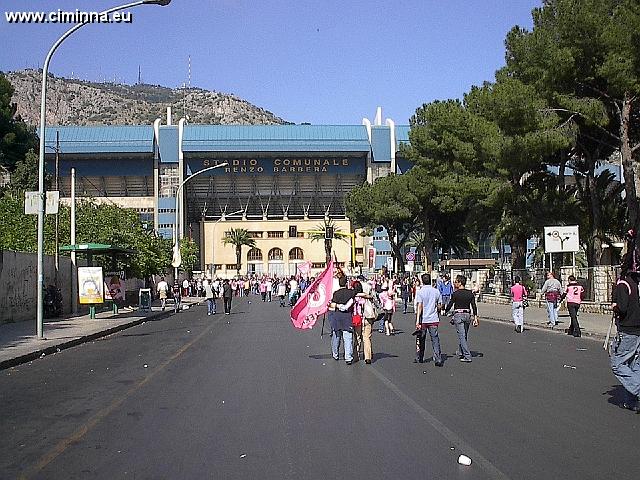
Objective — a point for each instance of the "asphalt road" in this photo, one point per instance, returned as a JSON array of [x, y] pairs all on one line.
[[192, 397]]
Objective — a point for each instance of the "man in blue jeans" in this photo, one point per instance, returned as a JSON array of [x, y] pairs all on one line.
[[625, 357], [428, 303], [551, 291], [340, 319]]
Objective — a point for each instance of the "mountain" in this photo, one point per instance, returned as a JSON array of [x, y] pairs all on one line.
[[80, 102]]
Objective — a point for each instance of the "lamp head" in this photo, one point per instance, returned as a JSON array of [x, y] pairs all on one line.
[[162, 3]]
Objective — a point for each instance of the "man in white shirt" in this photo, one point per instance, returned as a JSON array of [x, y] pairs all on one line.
[[162, 288], [428, 302], [185, 288], [293, 291]]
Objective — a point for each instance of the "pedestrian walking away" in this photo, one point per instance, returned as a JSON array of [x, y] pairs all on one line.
[[551, 291], [625, 348], [340, 319], [210, 296], [227, 296], [518, 298], [163, 290], [369, 317], [428, 303], [463, 302], [388, 300], [177, 297], [573, 293], [446, 289], [282, 292]]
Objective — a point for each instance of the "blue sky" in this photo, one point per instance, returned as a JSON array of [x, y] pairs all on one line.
[[323, 62]]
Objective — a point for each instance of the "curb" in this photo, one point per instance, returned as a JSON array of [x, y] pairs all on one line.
[[585, 334], [12, 362]]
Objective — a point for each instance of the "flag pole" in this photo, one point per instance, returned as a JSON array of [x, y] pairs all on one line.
[[324, 315]]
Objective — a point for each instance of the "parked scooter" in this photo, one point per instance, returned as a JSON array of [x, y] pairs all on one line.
[[52, 302]]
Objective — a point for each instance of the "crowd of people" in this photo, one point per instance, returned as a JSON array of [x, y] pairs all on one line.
[[358, 304], [286, 289]]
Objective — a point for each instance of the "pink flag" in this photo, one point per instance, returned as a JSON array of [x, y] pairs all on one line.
[[314, 300], [304, 268]]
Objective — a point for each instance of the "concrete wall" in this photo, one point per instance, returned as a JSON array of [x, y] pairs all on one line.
[[18, 276]]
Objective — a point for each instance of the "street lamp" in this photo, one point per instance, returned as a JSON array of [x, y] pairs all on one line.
[[41, 191], [177, 260], [223, 217]]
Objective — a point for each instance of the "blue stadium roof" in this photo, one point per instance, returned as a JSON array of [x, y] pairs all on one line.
[[101, 139], [402, 133], [275, 138]]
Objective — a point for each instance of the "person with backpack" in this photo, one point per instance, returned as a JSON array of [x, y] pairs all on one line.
[[369, 315], [573, 293], [551, 291], [625, 348]]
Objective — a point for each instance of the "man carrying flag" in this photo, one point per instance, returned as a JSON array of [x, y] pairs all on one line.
[[314, 301]]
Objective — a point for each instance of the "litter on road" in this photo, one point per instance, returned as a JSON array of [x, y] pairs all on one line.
[[569, 366]]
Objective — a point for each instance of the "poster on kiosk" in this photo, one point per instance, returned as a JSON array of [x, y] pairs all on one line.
[[90, 285]]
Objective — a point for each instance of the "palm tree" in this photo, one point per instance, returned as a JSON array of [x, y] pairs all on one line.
[[238, 237], [320, 234]]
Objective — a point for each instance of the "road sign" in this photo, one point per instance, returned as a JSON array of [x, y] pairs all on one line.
[[411, 256], [561, 239], [390, 264], [410, 265], [32, 203]]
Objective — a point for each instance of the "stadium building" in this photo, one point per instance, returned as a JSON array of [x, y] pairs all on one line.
[[280, 183]]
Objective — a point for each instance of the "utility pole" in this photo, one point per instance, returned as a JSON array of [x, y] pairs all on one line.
[[56, 254]]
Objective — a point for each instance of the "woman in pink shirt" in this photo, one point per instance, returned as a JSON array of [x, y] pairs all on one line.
[[573, 293], [388, 301], [518, 294]]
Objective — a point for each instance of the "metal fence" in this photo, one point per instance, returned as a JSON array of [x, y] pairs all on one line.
[[598, 282]]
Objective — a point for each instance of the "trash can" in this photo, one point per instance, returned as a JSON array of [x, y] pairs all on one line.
[[144, 299]]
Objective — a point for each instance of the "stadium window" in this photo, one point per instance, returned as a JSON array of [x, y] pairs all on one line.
[[275, 234]]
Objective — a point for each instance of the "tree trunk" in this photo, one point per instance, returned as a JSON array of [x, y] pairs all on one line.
[[238, 257], [328, 245], [518, 252], [395, 247], [596, 217], [631, 170], [427, 245]]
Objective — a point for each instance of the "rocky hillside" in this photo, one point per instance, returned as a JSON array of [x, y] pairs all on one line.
[[79, 102]]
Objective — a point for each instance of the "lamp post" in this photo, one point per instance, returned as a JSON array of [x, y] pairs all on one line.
[[176, 233], [223, 217], [41, 191]]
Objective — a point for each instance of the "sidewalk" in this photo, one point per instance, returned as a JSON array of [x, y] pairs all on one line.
[[591, 324], [19, 342]]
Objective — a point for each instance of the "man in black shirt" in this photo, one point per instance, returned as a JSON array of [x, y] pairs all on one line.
[[625, 358], [463, 302], [340, 318]]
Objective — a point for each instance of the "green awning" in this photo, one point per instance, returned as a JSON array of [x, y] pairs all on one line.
[[96, 249]]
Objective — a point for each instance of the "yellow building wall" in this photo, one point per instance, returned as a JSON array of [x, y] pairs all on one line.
[[214, 252]]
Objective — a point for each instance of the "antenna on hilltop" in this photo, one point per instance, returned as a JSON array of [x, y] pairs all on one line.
[[139, 75], [189, 72]]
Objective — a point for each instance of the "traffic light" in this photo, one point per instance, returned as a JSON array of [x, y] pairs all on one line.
[[328, 233], [293, 231]]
